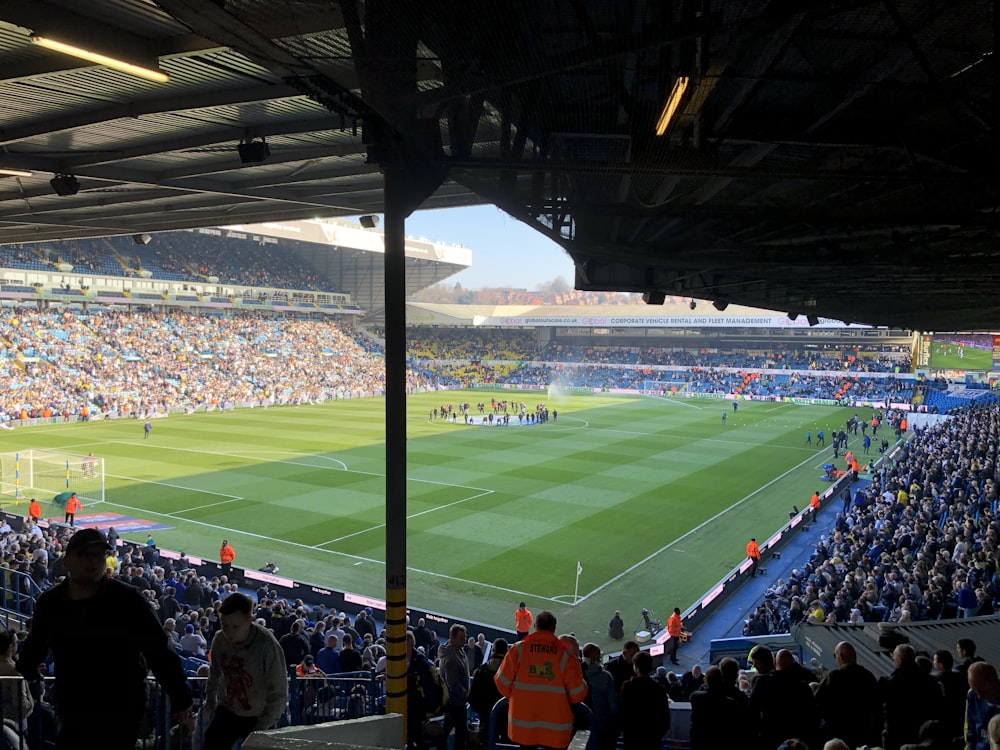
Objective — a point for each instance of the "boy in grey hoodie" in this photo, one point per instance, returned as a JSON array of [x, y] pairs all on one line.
[[248, 685]]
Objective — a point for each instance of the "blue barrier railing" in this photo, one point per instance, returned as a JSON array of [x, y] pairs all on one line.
[[18, 592], [311, 700]]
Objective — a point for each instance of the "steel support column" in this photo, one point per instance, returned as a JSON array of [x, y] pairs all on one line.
[[395, 435]]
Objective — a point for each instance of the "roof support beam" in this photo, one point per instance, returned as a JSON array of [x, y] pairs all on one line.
[[134, 110]]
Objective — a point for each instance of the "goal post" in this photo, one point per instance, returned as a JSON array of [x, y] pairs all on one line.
[[663, 387], [45, 474]]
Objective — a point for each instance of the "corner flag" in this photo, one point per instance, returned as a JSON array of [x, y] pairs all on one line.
[[579, 568]]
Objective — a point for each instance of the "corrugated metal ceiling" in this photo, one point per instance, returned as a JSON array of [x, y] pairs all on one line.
[[809, 125]]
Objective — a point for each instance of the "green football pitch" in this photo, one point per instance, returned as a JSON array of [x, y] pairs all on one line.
[[952, 356], [654, 497]]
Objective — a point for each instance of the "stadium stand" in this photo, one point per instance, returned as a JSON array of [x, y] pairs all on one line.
[[70, 358], [119, 363], [923, 530], [173, 256], [915, 542], [921, 537]]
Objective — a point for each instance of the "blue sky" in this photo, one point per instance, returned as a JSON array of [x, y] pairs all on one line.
[[505, 252]]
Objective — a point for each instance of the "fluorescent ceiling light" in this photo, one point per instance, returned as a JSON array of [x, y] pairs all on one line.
[[16, 172], [151, 74], [673, 102]]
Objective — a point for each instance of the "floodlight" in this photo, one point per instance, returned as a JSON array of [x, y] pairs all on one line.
[[368, 221], [812, 320], [253, 152], [654, 298], [142, 239], [720, 305], [65, 184]]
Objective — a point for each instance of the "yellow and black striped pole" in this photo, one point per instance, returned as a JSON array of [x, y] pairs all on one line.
[[395, 443]]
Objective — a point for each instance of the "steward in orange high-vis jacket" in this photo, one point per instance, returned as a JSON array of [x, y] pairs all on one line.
[[542, 679], [522, 621], [675, 629], [226, 556], [753, 552]]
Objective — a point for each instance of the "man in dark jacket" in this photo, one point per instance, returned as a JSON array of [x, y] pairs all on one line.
[[616, 627], [718, 719], [910, 697], [295, 645], [784, 705], [365, 625], [350, 657], [849, 701], [621, 666], [483, 693], [419, 694], [644, 707], [425, 638], [955, 687]]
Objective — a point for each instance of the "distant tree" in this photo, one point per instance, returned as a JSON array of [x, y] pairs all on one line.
[[558, 286], [558, 291]]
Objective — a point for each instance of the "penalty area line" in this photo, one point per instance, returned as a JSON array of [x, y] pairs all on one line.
[[250, 458], [176, 486]]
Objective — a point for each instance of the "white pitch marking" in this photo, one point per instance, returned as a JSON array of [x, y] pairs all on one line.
[[176, 486], [676, 402], [312, 466], [414, 515], [360, 558], [688, 533]]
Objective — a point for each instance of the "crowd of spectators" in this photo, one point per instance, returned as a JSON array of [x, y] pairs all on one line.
[[496, 344], [763, 707], [699, 380], [783, 357], [176, 256], [468, 358], [187, 605], [83, 365], [919, 542], [924, 704], [439, 344]]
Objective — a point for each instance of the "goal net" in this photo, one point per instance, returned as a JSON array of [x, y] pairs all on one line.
[[45, 474], [663, 387]]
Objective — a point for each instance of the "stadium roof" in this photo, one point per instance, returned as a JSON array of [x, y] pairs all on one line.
[[836, 159], [351, 257]]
